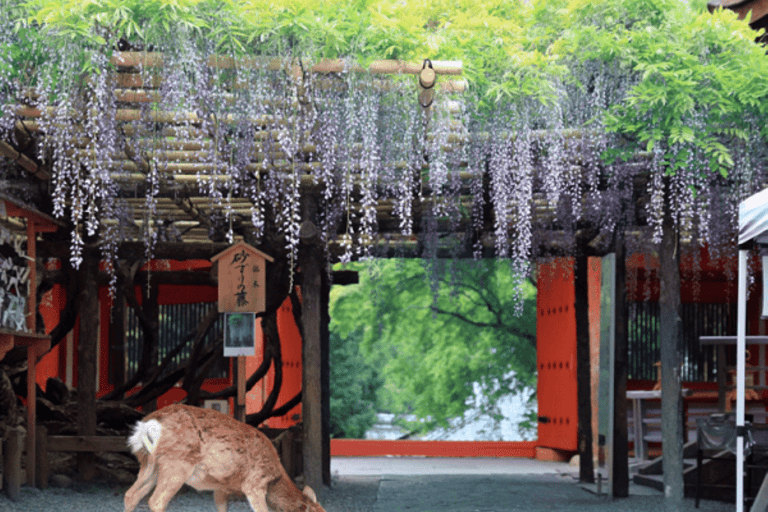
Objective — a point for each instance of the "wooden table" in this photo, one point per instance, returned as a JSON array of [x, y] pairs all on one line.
[[638, 399]]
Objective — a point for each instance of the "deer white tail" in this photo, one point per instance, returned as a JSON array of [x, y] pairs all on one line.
[[145, 435]]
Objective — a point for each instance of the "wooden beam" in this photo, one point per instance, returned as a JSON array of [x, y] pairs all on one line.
[[88, 444], [345, 277], [129, 250], [731, 340]]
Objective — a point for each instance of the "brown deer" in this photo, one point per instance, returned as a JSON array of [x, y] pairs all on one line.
[[209, 450]]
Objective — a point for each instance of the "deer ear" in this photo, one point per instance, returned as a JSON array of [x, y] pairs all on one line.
[[309, 493]]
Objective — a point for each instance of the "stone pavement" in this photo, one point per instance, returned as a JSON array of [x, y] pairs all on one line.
[[407, 484], [491, 485]]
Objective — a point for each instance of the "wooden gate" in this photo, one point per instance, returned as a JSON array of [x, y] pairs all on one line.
[[556, 355]]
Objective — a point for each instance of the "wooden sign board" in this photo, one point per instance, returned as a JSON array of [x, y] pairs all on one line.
[[241, 270]]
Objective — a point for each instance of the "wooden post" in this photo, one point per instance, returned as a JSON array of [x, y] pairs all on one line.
[[117, 330], [286, 453], [31, 411], [722, 381], [621, 367], [311, 291], [240, 399], [43, 468], [86, 369], [584, 390], [325, 376], [32, 292], [152, 311], [12, 464], [31, 352]]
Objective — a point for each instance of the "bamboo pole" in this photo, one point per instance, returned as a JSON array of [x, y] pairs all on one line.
[[23, 160], [157, 59]]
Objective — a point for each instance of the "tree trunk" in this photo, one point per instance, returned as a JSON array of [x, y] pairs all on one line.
[[669, 341], [583, 377]]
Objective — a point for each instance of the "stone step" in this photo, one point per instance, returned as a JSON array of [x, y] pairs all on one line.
[[653, 481], [654, 466]]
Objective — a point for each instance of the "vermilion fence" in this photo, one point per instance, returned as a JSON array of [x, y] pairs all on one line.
[[413, 448]]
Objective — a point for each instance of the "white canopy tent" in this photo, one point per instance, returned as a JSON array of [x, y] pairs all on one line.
[[753, 228]]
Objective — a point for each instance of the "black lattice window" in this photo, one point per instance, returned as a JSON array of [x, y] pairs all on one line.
[[176, 322], [699, 363]]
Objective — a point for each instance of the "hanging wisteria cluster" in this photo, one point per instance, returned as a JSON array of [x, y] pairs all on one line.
[[354, 153]]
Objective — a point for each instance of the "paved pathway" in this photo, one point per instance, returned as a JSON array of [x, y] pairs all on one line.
[[400, 485], [493, 485]]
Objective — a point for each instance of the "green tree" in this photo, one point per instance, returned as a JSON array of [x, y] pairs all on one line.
[[354, 387], [436, 328]]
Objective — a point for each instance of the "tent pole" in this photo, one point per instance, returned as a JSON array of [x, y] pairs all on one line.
[[740, 369]]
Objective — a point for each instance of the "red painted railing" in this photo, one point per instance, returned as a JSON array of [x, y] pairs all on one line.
[[412, 448]]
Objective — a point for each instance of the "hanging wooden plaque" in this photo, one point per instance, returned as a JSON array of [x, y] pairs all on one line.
[[241, 270]]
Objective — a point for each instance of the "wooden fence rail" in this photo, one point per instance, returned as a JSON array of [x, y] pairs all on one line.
[[287, 442]]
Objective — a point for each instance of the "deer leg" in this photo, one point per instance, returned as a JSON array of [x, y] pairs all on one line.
[[221, 498], [144, 483], [257, 500], [169, 481]]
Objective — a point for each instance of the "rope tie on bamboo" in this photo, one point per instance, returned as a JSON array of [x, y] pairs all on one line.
[[427, 80]]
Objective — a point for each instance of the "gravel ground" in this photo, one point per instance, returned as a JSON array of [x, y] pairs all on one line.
[[347, 494], [392, 492]]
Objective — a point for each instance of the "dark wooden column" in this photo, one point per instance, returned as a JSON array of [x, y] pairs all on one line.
[[310, 261], [583, 376], [620, 477], [117, 330], [151, 333], [325, 376], [86, 367]]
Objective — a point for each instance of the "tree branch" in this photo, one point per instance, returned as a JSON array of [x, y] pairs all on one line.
[[202, 330], [161, 386], [495, 325]]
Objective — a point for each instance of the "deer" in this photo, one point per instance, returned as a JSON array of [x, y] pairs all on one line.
[[209, 450]]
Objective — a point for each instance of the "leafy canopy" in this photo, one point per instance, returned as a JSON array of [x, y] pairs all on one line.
[[693, 74], [433, 332]]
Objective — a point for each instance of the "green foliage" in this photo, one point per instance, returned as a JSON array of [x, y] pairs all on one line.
[[433, 332], [354, 387], [698, 75], [685, 61]]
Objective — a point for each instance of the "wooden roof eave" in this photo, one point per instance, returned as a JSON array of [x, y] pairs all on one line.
[[43, 223]]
